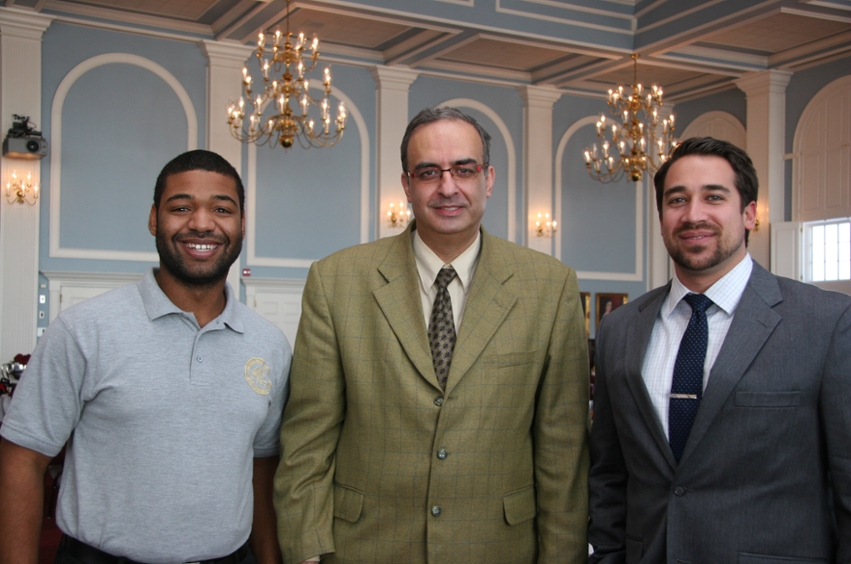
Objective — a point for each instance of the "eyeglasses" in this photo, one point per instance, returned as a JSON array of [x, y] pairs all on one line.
[[432, 174]]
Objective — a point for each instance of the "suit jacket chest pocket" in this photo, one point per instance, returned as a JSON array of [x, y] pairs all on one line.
[[767, 399], [508, 366]]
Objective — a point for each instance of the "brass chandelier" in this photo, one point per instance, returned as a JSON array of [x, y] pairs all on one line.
[[634, 141], [284, 66]]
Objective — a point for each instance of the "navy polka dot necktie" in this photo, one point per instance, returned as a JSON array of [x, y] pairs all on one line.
[[441, 327], [687, 385]]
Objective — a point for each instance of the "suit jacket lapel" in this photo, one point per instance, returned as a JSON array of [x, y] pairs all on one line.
[[753, 323], [638, 339], [488, 303], [401, 304]]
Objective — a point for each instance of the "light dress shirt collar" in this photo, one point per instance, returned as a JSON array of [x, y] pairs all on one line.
[[725, 293], [429, 264]]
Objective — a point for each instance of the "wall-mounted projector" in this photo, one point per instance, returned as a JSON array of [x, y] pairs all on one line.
[[23, 142]]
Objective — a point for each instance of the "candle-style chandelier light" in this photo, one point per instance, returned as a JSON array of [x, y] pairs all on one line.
[[284, 66], [20, 190], [634, 141]]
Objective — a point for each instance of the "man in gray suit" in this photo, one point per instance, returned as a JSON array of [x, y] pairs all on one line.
[[722, 416]]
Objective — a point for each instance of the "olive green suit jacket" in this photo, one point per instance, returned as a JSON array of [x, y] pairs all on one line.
[[379, 464]]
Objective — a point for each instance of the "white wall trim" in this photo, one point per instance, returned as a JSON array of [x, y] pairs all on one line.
[[638, 273], [570, 21], [511, 168], [701, 122], [810, 113], [56, 158], [59, 281], [251, 192], [278, 300]]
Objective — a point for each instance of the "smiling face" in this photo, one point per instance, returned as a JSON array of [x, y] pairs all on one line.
[[198, 228], [703, 223], [448, 211]]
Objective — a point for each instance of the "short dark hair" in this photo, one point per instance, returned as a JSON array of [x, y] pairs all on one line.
[[746, 180], [430, 115], [199, 159]]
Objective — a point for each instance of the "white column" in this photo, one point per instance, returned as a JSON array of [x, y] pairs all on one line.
[[538, 160], [392, 115], [766, 138], [658, 259], [20, 93], [224, 85]]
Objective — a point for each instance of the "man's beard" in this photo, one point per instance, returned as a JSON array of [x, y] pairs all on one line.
[[697, 262], [205, 276]]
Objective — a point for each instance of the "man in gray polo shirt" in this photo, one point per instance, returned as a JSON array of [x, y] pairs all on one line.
[[169, 394]]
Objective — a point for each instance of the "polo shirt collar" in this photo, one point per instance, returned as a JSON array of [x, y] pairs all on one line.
[[157, 304]]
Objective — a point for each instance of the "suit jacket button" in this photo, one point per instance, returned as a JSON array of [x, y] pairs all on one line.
[[679, 491], [438, 401], [441, 454], [435, 510]]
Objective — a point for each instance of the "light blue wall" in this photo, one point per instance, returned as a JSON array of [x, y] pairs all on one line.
[[598, 229], [731, 101], [309, 201], [120, 123]]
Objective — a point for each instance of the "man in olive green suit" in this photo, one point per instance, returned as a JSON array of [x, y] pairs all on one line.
[[474, 453]]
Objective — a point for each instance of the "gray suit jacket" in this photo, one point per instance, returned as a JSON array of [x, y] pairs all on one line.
[[766, 474]]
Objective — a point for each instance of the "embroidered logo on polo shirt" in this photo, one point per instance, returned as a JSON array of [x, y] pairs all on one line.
[[257, 374]]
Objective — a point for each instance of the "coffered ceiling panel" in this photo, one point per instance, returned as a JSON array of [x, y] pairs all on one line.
[[689, 48], [777, 33], [501, 54]]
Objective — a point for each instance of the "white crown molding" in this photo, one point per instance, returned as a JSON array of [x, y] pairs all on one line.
[[817, 15], [835, 5], [576, 8], [398, 79], [56, 250], [679, 15], [24, 23], [226, 53], [715, 58], [568, 21]]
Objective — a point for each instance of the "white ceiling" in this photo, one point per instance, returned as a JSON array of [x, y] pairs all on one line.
[[690, 47]]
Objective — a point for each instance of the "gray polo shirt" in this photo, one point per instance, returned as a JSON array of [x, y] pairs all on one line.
[[162, 419]]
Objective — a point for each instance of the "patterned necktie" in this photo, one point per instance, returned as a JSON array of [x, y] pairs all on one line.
[[687, 385], [441, 327]]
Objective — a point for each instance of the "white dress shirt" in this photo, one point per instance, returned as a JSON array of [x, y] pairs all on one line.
[[658, 368], [428, 267]]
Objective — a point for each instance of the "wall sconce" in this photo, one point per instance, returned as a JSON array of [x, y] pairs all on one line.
[[398, 216], [19, 190], [545, 227]]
